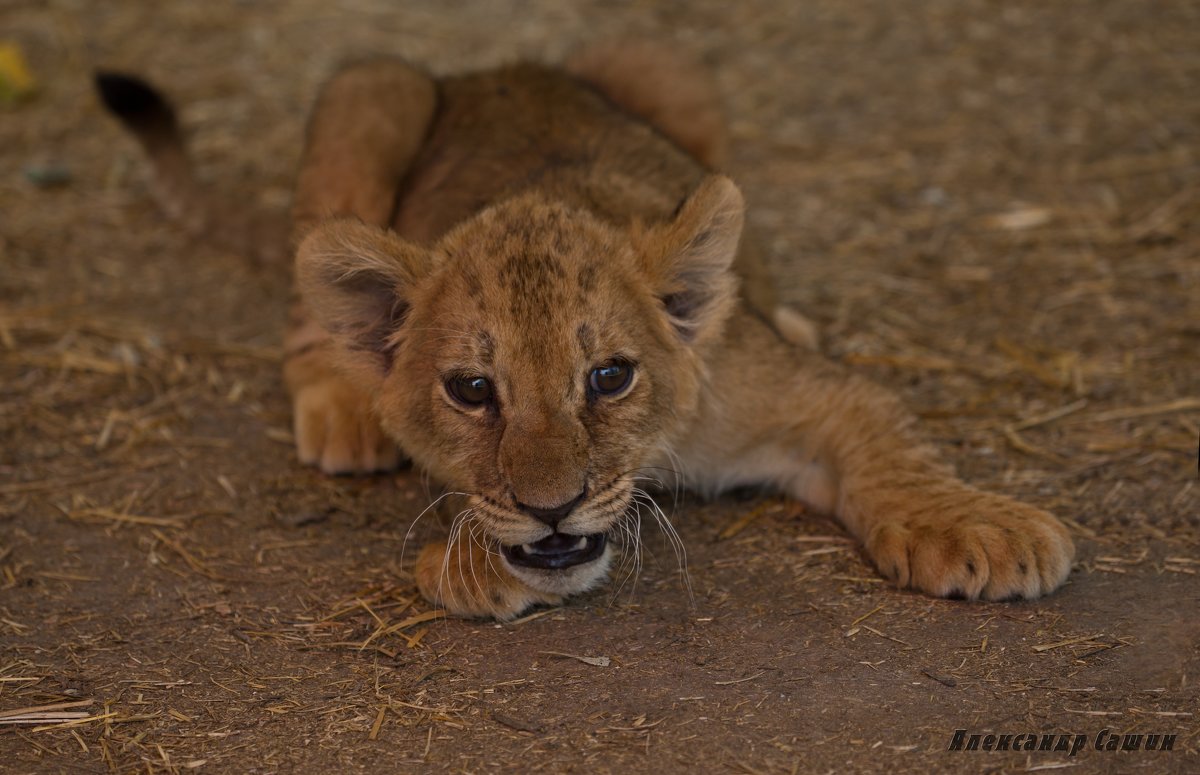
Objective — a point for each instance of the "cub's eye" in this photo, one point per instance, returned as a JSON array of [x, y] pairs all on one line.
[[469, 390], [611, 378]]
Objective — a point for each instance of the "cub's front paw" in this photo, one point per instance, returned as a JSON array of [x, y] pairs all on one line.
[[992, 548], [337, 431], [469, 580]]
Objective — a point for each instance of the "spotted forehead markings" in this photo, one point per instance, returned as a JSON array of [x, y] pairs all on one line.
[[485, 346], [474, 286], [586, 279], [587, 339], [535, 282]]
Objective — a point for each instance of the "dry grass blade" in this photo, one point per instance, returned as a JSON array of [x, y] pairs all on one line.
[[593, 661], [75, 722], [1021, 445], [914, 362], [54, 706], [1050, 416], [192, 562], [1190, 404], [1019, 219], [1044, 374], [421, 618], [742, 522], [374, 733], [867, 615], [533, 616], [74, 361], [42, 718], [756, 676], [885, 636], [56, 483], [108, 515], [1067, 642]]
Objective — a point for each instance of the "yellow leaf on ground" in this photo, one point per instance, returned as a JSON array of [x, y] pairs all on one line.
[[15, 79]]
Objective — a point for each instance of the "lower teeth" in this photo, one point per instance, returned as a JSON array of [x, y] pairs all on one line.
[[580, 544]]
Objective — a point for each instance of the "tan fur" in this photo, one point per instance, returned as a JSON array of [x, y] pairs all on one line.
[[469, 579], [671, 92], [538, 231], [663, 87]]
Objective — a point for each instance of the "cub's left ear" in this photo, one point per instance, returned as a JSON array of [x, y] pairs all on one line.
[[689, 258]]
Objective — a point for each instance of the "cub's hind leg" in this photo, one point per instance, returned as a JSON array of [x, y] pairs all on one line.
[[661, 86], [366, 128], [676, 95]]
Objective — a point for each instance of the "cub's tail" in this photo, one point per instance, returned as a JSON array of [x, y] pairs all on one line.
[[260, 235]]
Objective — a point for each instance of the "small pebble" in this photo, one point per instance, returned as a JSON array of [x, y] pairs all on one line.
[[47, 175]]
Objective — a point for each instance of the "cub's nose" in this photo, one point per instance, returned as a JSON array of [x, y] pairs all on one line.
[[552, 516]]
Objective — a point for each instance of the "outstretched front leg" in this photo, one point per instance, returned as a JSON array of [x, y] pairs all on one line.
[[847, 446], [368, 124]]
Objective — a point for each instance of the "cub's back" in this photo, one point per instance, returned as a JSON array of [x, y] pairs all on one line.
[[524, 127]]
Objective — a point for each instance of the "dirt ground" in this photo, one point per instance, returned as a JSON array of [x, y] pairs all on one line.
[[992, 208]]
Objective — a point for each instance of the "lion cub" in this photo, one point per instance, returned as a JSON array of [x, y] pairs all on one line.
[[529, 280]]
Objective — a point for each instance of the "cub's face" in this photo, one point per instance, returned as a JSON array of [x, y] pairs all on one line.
[[534, 360]]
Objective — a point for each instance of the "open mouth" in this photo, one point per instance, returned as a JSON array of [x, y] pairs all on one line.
[[557, 551]]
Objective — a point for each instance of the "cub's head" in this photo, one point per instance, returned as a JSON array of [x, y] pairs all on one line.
[[535, 358]]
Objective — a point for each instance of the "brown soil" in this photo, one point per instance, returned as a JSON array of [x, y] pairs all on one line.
[[992, 208]]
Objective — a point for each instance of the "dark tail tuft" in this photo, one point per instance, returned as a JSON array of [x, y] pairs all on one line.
[[149, 117], [137, 104]]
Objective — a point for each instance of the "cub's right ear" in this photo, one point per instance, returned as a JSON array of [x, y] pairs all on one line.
[[356, 281]]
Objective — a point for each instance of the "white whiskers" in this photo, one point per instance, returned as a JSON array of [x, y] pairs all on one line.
[[630, 526], [642, 498], [464, 518], [435, 502]]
